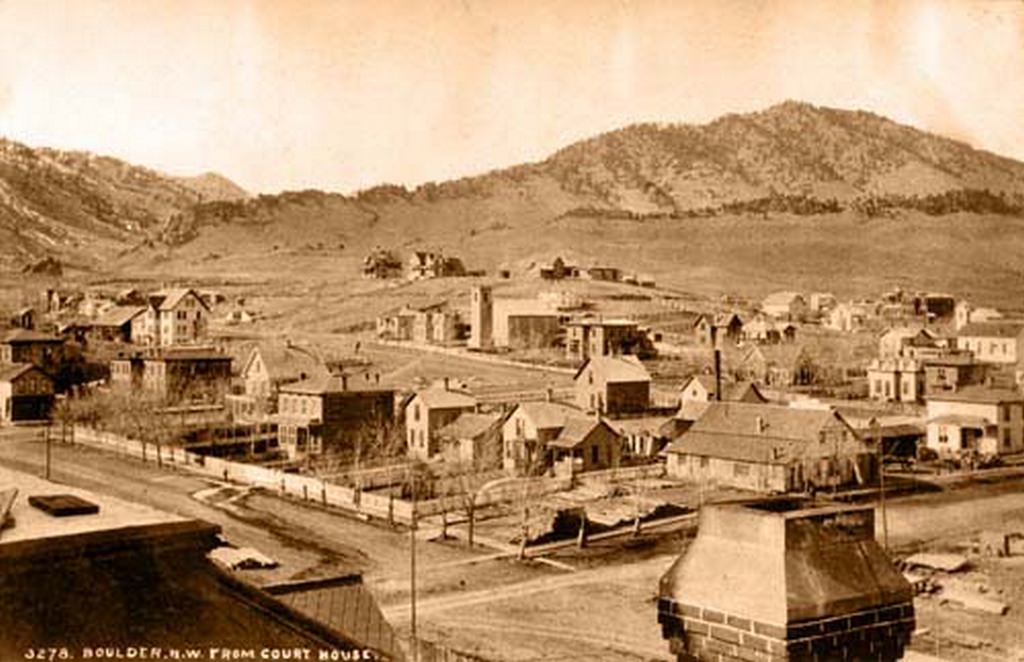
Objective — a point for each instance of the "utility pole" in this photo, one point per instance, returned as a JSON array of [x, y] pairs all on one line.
[[412, 570], [47, 433], [877, 431]]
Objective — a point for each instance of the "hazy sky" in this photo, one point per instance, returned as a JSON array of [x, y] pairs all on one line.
[[346, 94]]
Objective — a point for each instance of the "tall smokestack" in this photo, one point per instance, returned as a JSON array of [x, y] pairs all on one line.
[[718, 363]]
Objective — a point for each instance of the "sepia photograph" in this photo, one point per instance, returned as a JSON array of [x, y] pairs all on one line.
[[512, 330]]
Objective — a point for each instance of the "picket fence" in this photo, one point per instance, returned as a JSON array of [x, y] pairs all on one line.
[[309, 488]]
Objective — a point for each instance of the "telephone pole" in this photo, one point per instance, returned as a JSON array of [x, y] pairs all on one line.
[[877, 431], [412, 570]]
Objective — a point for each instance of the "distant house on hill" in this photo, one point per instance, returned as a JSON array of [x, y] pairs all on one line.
[[771, 448], [768, 332], [848, 317], [24, 318], [427, 324], [966, 313], [381, 263], [789, 306], [893, 342], [425, 264]]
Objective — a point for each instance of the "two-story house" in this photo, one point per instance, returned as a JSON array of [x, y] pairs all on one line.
[[328, 415], [26, 393], [193, 374], [173, 317], [589, 337], [710, 329], [613, 385], [427, 412], [537, 435], [266, 368], [993, 342], [976, 420]]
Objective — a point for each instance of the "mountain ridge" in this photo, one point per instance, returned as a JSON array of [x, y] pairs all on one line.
[[792, 157]]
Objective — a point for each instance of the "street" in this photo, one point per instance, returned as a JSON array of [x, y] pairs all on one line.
[[473, 600]]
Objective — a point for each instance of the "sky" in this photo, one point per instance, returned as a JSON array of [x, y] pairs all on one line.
[[343, 95]]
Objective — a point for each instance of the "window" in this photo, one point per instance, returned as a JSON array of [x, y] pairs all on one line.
[[705, 461], [1006, 412], [595, 454], [1006, 437], [740, 469], [943, 435]]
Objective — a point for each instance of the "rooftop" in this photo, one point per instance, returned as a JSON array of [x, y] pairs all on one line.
[[991, 330], [626, 368], [979, 394], [469, 425], [11, 371], [333, 383], [442, 398], [548, 415], [16, 336]]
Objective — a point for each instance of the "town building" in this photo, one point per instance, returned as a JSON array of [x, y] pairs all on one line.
[[24, 318], [849, 317], [429, 324], [194, 374], [266, 368], [785, 579], [425, 264], [481, 318], [699, 390], [613, 385], [605, 273], [26, 393], [588, 337], [321, 415], [526, 324], [174, 317], [119, 324], [789, 306], [765, 331], [993, 342], [896, 380], [585, 444], [382, 264], [643, 437], [710, 329], [43, 350], [953, 371], [935, 307], [474, 439], [119, 571], [771, 448], [900, 341], [966, 313], [820, 303], [527, 430], [976, 420], [777, 365], [427, 412], [127, 371]]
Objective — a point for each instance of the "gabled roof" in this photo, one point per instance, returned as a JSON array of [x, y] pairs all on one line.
[[16, 336], [707, 381], [783, 355], [442, 398], [11, 371], [979, 394], [644, 425], [119, 315], [617, 369], [286, 362], [547, 415], [576, 429], [189, 354], [756, 432], [169, 299], [470, 425], [991, 330]]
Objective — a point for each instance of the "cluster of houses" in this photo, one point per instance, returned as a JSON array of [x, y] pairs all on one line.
[[560, 270], [382, 264], [892, 307]]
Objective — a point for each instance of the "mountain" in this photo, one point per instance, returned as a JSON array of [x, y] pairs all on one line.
[[793, 159], [79, 206]]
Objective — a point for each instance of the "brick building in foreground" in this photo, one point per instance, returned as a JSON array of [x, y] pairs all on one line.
[[785, 579]]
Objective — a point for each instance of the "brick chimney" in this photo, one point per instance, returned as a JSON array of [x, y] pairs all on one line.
[[757, 584]]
